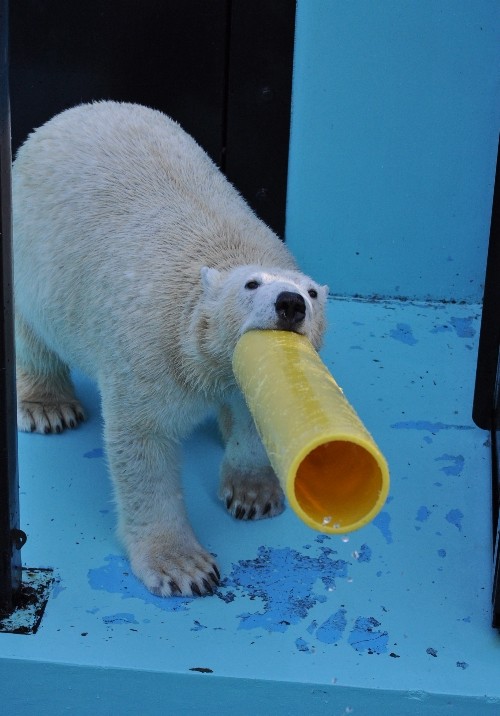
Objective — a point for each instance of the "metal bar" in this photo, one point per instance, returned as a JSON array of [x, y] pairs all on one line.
[[10, 560], [486, 393], [495, 476], [495, 596], [489, 339]]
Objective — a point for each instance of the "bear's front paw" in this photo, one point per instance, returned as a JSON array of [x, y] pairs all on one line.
[[251, 496], [170, 567], [48, 417]]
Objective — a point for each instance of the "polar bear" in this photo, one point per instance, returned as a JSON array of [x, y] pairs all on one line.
[[138, 262]]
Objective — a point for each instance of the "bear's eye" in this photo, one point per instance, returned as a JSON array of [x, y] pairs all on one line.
[[252, 285], [313, 293]]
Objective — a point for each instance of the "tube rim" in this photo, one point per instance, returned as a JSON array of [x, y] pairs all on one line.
[[336, 528]]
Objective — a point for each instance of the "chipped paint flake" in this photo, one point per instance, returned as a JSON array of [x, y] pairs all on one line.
[[442, 329], [303, 646], [463, 327], [95, 453], [427, 425], [423, 514], [383, 521], [457, 464], [120, 618], [403, 333], [364, 554], [366, 637], [455, 517], [197, 626], [332, 630]]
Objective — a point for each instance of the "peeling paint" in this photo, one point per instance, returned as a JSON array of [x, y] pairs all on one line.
[[366, 637], [120, 618], [403, 333], [284, 580], [458, 462], [427, 425], [442, 329], [455, 517], [197, 626], [382, 521], [463, 327], [364, 554], [423, 514], [95, 453], [32, 599], [332, 630], [302, 645]]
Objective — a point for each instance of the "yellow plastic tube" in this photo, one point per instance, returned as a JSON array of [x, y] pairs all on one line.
[[332, 472]]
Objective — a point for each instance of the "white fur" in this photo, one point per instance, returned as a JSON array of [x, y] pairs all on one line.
[[132, 259]]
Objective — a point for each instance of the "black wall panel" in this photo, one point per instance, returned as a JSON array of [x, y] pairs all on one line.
[[169, 54], [222, 68]]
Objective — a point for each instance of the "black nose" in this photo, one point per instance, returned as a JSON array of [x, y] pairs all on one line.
[[291, 309]]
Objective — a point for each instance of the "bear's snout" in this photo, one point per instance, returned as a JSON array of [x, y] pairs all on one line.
[[291, 309]]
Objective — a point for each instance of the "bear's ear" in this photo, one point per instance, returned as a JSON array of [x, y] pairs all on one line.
[[210, 278]]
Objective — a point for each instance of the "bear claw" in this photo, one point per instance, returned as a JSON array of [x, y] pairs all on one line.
[[195, 589], [240, 512], [208, 587], [174, 588]]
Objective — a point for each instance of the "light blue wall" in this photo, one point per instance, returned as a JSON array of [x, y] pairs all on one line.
[[393, 146]]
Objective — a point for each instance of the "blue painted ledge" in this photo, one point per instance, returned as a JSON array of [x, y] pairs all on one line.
[[393, 619]]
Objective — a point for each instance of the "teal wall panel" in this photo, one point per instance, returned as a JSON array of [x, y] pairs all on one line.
[[393, 145]]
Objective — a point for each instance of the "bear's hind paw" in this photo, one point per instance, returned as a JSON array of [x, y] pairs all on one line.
[[251, 497]]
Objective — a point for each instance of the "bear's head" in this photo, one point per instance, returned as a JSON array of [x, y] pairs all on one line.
[[249, 297]]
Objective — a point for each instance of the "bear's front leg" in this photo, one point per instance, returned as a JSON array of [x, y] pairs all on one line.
[[248, 487], [163, 550]]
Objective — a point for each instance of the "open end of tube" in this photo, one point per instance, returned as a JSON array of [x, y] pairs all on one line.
[[340, 486]]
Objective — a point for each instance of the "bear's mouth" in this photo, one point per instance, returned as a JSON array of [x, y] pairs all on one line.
[[291, 328]]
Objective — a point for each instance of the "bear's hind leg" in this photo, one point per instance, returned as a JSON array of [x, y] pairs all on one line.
[[46, 401], [249, 487]]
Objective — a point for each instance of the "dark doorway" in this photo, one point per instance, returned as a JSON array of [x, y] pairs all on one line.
[[222, 68]]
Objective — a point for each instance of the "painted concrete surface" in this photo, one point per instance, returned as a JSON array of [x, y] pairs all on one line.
[[391, 619], [395, 116]]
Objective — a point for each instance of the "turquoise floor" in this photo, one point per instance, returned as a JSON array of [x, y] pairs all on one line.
[[393, 619]]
